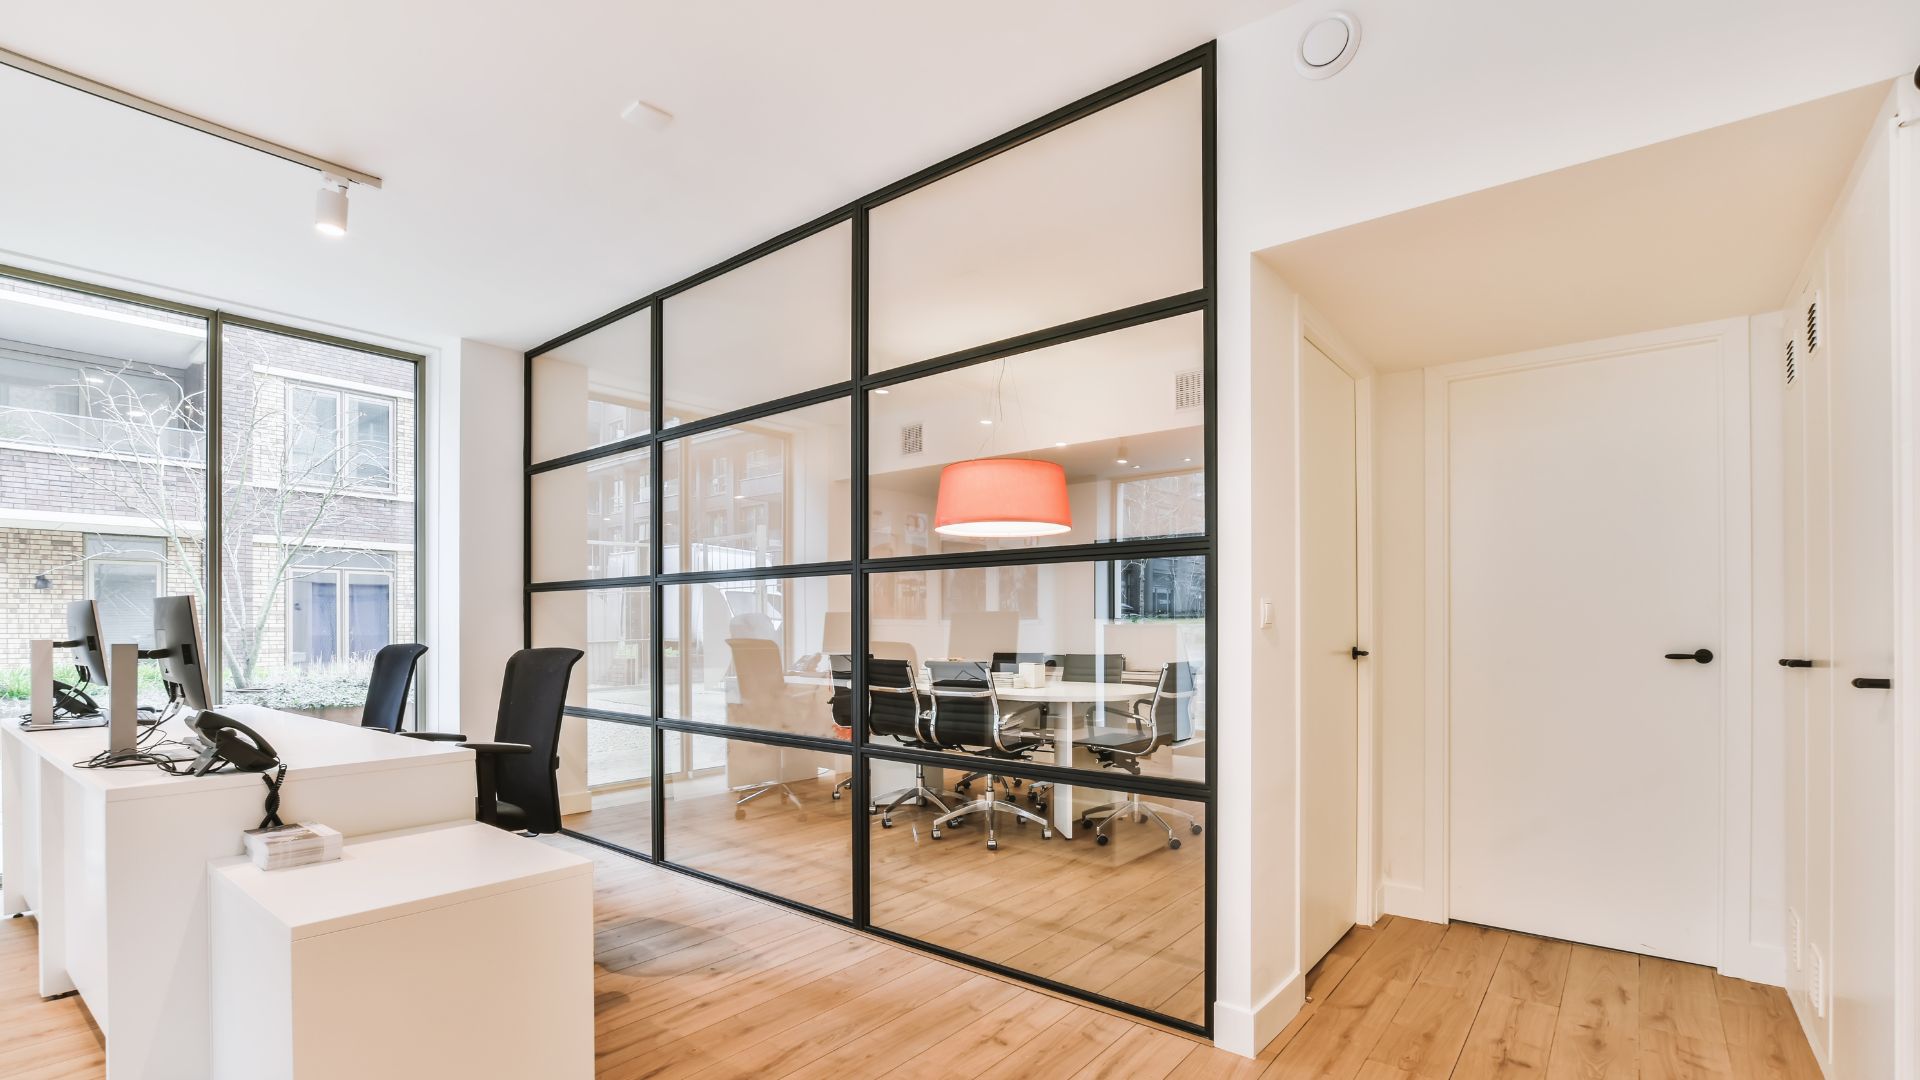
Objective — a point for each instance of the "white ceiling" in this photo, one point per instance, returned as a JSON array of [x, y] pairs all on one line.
[[517, 204], [1709, 226]]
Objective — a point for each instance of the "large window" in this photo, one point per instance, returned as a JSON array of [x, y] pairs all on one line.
[[809, 661], [318, 552], [106, 487]]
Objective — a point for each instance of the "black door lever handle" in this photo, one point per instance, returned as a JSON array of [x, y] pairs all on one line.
[[1359, 652], [1700, 656], [1796, 663], [1873, 684]]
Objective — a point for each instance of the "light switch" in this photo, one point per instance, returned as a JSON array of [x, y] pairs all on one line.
[[1266, 614]]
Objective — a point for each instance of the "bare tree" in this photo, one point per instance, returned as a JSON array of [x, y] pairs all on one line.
[[144, 454]]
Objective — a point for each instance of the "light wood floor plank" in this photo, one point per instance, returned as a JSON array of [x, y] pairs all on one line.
[[1143, 1053], [1511, 1038], [1597, 1036], [1532, 969], [1764, 1041], [1353, 1017], [1681, 1034], [1426, 1034]]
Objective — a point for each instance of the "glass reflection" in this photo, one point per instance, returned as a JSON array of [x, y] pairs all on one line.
[[595, 389], [593, 520], [619, 783], [767, 654], [767, 493], [1115, 903], [612, 627], [771, 817]]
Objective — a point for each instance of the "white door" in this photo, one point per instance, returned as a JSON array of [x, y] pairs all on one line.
[[1585, 543], [1329, 680]]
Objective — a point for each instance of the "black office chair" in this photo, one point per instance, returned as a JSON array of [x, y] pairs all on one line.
[[517, 777], [1089, 667], [840, 704], [387, 689], [1157, 722], [896, 711], [966, 716]]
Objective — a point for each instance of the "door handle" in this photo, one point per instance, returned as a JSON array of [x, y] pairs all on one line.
[[1796, 663], [1873, 684], [1359, 652], [1699, 656]]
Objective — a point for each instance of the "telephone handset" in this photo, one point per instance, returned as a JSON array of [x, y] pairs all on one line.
[[228, 741], [70, 700]]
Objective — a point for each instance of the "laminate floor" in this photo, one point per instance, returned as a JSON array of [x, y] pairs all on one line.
[[695, 980]]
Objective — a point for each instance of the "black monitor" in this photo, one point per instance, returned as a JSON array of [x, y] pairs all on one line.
[[177, 645], [83, 637]]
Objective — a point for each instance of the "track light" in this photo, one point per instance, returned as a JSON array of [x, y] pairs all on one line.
[[330, 206]]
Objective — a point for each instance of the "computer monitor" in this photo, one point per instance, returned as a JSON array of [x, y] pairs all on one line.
[[177, 645], [83, 637]]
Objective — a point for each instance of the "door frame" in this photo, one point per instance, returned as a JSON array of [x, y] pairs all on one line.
[[1315, 330], [1739, 953]]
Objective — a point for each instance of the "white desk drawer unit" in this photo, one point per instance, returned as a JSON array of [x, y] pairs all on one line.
[[453, 950]]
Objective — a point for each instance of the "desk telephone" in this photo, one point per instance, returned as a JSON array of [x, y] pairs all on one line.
[[224, 741]]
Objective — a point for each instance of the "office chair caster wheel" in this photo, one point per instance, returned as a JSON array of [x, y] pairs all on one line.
[[836, 794], [936, 834], [886, 823], [1040, 806], [1101, 839], [1086, 823], [1173, 843], [872, 809], [1196, 828], [993, 845], [1046, 834], [1017, 781]]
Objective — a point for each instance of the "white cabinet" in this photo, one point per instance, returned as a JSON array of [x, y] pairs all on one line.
[[457, 950]]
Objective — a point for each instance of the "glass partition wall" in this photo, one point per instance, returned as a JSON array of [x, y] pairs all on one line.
[[889, 543]]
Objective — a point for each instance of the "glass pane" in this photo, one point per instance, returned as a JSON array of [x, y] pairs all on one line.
[[1096, 216], [611, 627], [620, 784], [595, 389], [767, 493], [1125, 917], [102, 409], [1046, 663], [766, 817], [317, 450], [779, 325], [592, 520], [761, 654], [1132, 445]]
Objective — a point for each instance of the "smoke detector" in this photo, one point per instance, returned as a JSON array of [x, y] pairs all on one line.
[[1328, 45]]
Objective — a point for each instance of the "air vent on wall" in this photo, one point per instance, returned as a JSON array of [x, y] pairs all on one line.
[[911, 440], [1813, 324], [1189, 389], [1790, 360]]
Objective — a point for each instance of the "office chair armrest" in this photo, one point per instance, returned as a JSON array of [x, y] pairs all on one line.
[[433, 736], [500, 747]]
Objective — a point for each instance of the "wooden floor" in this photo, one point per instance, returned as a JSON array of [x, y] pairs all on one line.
[[1125, 919], [693, 980]]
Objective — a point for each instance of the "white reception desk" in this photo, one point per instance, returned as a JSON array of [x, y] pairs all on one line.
[[113, 862]]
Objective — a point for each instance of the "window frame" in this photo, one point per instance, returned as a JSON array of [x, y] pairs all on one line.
[[343, 437]]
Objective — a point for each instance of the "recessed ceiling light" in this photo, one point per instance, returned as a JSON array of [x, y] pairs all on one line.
[[1059, 444], [1188, 460], [330, 206], [883, 390], [1136, 466], [986, 423]]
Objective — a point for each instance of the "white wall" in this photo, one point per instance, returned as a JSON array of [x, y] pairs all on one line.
[[1442, 99]]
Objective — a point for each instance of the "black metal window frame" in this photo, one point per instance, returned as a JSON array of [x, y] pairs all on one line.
[[217, 321], [860, 567]]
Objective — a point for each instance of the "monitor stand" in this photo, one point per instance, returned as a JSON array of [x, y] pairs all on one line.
[[41, 718]]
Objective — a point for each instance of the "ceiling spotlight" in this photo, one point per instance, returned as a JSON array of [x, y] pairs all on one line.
[[1059, 444], [1120, 455], [986, 423], [883, 390], [330, 206]]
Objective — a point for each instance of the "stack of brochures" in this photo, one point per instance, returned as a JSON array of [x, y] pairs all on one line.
[[292, 845]]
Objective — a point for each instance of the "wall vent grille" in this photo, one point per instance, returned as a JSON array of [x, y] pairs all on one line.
[[1189, 389], [1790, 343], [912, 438], [1813, 324]]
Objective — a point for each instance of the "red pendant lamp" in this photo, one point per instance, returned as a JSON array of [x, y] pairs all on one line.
[[1002, 498]]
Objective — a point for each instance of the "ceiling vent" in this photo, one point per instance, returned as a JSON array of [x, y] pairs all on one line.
[[1790, 344], [1328, 45], [912, 438], [1189, 389]]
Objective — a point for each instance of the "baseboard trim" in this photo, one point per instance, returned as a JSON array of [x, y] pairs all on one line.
[[1245, 1031], [1756, 963]]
